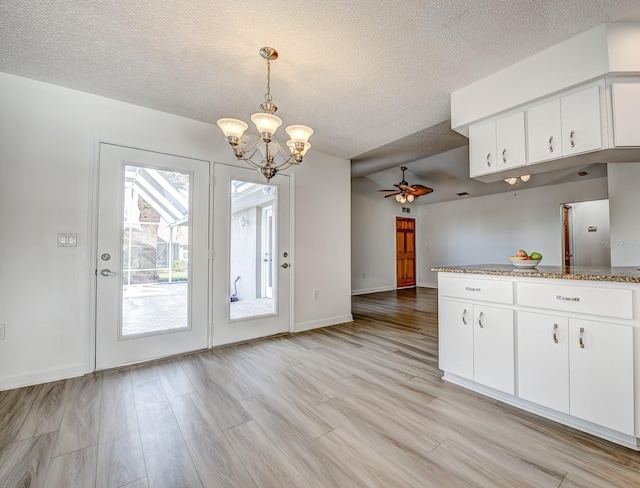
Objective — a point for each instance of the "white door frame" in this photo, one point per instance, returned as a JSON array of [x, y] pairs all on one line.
[[92, 240]]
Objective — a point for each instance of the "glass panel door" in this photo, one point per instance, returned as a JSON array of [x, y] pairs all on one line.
[[251, 280], [152, 262]]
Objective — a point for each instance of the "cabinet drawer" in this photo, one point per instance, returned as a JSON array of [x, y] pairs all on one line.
[[610, 302], [472, 289]]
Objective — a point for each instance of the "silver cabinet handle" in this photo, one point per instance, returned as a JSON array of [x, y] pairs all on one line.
[[480, 317], [464, 317], [572, 138], [107, 272], [581, 338], [504, 156], [285, 265], [550, 143], [468, 288], [567, 299], [555, 333], [489, 159]]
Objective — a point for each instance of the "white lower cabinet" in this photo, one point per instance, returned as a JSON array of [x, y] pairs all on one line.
[[477, 342], [543, 360], [580, 367], [601, 386]]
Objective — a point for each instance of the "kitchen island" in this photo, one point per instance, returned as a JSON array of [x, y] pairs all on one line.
[[556, 341]]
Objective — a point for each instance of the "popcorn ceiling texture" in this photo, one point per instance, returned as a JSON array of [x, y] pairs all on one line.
[[363, 74]]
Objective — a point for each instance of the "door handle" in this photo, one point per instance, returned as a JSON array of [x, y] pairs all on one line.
[[107, 272], [285, 265]]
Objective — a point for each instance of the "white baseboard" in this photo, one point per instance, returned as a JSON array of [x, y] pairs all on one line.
[[316, 324], [41, 376], [428, 285], [372, 290]]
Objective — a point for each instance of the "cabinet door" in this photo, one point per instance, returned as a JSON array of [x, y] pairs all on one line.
[[543, 360], [626, 107], [482, 149], [510, 141], [493, 348], [581, 121], [601, 374], [544, 132], [455, 338]]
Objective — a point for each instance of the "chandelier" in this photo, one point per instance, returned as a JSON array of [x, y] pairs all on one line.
[[272, 156]]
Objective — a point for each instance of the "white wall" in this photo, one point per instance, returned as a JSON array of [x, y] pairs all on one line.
[[591, 248], [489, 229], [624, 210], [47, 136], [373, 230]]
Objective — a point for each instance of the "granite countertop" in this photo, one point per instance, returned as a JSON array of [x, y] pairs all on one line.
[[621, 274]]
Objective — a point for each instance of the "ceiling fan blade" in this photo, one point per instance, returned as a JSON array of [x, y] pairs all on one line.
[[392, 194], [418, 190], [404, 187], [389, 190]]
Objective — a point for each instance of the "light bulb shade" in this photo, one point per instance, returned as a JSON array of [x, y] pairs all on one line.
[[266, 123], [299, 133], [398, 198], [292, 147], [232, 127], [410, 197], [525, 178], [403, 200], [511, 181]]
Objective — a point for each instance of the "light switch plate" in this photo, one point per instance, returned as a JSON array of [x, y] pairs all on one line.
[[67, 240]]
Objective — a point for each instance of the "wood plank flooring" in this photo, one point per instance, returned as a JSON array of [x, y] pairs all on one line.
[[355, 405]]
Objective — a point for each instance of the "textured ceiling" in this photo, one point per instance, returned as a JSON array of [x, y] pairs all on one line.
[[364, 74]]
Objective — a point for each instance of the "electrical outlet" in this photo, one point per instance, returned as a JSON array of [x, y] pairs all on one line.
[[316, 294], [1, 332]]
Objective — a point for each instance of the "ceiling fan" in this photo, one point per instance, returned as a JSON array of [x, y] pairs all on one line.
[[405, 192]]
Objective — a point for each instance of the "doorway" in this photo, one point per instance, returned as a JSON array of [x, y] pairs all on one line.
[[152, 260], [405, 252], [252, 263], [586, 233]]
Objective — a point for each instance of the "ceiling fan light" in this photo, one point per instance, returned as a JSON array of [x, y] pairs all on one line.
[[299, 133], [410, 198], [266, 123], [232, 127], [403, 199], [398, 198]]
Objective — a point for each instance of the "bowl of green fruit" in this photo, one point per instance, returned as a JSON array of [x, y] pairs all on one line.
[[524, 260]]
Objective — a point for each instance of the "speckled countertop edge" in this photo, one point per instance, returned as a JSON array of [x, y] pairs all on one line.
[[619, 274]]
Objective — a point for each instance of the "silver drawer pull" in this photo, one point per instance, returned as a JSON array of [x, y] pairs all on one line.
[[489, 159], [550, 143], [555, 333], [504, 156], [567, 299], [572, 138], [468, 288], [480, 321], [581, 338], [464, 317]]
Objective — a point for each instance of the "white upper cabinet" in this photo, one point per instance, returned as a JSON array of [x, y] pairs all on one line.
[[482, 149], [581, 121], [510, 141], [544, 132], [626, 110], [497, 146], [565, 126]]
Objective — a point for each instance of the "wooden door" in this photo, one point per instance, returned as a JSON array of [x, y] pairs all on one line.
[[566, 234], [405, 252]]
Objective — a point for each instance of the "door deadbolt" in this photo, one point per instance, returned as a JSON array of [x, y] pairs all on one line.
[[285, 254], [285, 265], [105, 257]]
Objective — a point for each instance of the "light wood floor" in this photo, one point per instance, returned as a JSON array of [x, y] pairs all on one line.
[[355, 405]]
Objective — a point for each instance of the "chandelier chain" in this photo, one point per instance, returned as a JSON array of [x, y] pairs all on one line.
[[267, 96]]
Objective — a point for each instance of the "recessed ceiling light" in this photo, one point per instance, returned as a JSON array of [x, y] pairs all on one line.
[[583, 173]]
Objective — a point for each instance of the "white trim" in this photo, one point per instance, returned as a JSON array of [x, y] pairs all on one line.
[[428, 285], [41, 376], [364, 291], [316, 324], [92, 249], [562, 418], [292, 234]]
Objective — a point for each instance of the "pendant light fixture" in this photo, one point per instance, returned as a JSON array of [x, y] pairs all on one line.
[[271, 157]]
